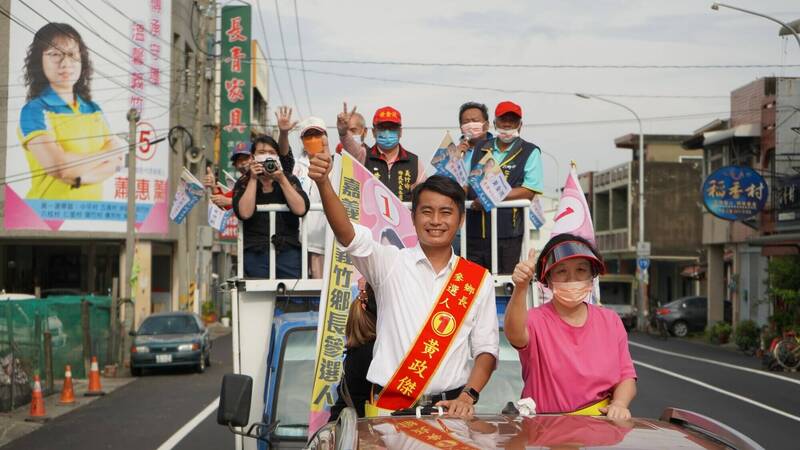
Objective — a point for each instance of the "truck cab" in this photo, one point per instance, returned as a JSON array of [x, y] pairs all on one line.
[[291, 360]]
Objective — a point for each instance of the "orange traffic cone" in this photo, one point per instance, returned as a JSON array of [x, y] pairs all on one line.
[[37, 403], [94, 380], [67, 393]]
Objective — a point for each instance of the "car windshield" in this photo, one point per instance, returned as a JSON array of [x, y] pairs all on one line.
[[615, 293], [169, 325], [295, 384], [505, 385]]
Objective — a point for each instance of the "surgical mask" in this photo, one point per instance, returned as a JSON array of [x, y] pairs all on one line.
[[388, 139], [313, 145], [359, 140], [507, 135], [261, 158], [472, 130], [572, 293]]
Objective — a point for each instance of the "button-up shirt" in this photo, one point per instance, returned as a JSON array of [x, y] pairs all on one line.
[[406, 288]]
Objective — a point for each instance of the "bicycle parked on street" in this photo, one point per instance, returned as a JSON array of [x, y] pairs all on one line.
[[657, 326], [787, 351]]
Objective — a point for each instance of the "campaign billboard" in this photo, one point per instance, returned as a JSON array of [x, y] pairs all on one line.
[[75, 70]]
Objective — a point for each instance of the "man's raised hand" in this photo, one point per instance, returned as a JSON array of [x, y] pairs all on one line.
[[210, 180], [284, 117], [319, 166], [343, 119]]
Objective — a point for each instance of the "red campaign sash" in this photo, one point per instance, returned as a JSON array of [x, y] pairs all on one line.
[[422, 431], [437, 333]]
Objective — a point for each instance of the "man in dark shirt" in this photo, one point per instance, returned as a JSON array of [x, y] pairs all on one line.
[[258, 187]]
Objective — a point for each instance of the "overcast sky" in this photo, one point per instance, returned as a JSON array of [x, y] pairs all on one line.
[[570, 32]]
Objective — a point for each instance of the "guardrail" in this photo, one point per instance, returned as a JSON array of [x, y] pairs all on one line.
[[274, 209]]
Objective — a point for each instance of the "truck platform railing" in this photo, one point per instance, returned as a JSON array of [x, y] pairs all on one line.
[[304, 285]]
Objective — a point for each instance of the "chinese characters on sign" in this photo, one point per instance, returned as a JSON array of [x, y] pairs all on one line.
[[235, 86], [735, 193]]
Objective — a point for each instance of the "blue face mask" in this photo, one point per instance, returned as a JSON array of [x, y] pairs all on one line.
[[387, 139]]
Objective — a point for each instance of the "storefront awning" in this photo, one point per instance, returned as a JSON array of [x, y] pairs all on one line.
[[746, 130], [694, 271]]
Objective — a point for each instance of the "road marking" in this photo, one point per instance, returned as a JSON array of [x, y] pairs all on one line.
[[721, 391], [173, 440], [719, 363]]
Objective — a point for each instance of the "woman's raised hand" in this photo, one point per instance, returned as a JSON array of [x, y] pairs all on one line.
[[525, 270]]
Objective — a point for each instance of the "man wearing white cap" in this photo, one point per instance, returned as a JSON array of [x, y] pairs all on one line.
[[315, 139]]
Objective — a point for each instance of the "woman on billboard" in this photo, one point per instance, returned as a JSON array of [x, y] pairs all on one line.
[[62, 131]]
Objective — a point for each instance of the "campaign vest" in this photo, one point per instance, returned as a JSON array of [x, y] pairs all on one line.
[[400, 177], [510, 221]]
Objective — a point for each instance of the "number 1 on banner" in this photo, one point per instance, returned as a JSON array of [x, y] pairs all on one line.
[[386, 212], [385, 205]]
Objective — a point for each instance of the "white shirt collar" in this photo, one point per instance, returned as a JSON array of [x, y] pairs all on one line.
[[419, 256]]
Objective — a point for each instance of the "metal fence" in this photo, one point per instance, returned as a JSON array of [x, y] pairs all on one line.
[[42, 336]]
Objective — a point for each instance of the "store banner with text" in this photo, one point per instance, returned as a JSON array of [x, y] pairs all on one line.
[[236, 83]]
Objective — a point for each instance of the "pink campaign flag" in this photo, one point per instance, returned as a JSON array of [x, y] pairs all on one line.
[[573, 214]]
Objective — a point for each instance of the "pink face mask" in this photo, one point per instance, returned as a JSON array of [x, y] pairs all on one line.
[[472, 129], [572, 293]]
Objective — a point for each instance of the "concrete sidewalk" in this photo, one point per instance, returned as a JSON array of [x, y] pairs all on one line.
[[13, 424]]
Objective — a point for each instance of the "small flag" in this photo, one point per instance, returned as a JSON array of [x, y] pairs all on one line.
[[573, 215], [190, 191], [218, 217], [488, 182], [537, 212], [447, 161], [230, 180]]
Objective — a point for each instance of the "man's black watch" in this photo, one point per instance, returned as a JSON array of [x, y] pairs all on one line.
[[472, 393]]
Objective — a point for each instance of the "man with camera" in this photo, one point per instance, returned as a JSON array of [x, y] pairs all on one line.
[[266, 182]]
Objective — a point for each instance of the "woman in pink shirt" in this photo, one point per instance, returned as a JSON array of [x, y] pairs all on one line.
[[574, 355]]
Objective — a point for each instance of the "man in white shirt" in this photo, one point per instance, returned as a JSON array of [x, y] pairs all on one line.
[[406, 283]]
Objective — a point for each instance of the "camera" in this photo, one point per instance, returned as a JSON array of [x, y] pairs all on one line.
[[270, 165]]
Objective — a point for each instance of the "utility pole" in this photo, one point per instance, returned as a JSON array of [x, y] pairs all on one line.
[[199, 169], [133, 118]]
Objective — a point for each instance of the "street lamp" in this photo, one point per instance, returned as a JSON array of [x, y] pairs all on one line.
[[716, 5], [640, 315]]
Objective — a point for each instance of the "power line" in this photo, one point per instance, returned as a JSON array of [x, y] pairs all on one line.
[[269, 55], [163, 41], [502, 90], [547, 66], [122, 34], [302, 62], [91, 30], [80, 138], [283, 44], [16, 178]]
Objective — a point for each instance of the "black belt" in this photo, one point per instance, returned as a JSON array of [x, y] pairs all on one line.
[[425, 399]]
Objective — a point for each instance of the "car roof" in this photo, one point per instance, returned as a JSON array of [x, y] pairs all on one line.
[[503, 431], [172, 313]]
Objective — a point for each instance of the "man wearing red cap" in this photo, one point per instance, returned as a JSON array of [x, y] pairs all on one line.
[[520, 162], [396, 167]]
